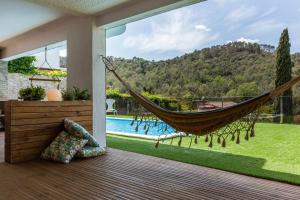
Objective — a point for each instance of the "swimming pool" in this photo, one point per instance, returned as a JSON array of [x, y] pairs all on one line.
[[120, 126]]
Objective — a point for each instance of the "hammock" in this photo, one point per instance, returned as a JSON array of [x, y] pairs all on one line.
[[208, 122]]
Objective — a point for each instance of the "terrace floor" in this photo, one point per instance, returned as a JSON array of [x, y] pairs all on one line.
[[124, 175]]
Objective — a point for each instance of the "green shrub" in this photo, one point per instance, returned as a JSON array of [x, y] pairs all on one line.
[[22, 65], [32, 93], [112, 93], [81, 94], [68, 95], [164, 102], [75, 94]]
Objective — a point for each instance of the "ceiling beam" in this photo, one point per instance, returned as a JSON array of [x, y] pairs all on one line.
[[138, 9], [57, 31], [50, 33]]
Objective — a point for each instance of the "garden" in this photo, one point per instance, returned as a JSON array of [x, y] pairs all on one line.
[[272, 154]]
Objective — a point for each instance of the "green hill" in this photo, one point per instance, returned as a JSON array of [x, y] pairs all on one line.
[[233, 69]]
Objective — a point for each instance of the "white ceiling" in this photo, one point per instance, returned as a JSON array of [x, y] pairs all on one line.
[[19, 16], [80, 6]]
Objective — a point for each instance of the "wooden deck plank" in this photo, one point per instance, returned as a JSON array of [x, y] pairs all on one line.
[[125, 175]]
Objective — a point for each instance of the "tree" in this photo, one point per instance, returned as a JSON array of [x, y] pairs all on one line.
[[23, 65], [283, 74]]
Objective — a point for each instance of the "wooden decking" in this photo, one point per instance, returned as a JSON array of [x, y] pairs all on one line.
[[124, 175]]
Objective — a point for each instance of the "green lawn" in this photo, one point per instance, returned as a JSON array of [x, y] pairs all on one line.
[[273, 154]]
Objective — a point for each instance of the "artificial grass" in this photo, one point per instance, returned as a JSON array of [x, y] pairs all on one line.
[[273, 154]]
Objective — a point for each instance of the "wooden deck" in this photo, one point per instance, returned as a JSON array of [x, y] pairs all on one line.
[[124, 175]]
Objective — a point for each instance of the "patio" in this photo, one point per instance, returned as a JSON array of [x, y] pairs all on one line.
[[83, 28], [124, 175]]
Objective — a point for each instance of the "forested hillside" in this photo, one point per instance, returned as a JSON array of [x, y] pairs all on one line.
[[234, 69]]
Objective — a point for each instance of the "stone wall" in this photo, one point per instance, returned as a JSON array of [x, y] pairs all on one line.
[[18, 81], [3, 81]]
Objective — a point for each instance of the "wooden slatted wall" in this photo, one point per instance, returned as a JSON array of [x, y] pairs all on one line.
[[31, 125]]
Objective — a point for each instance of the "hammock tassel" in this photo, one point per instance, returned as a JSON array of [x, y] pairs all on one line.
[[224, 143], [232, 137], [238, 138], [211, 142], [137, 128], [196, 139], [247, 136], [145, 126], [191, 141], [206, 138], [252, 134], [180, 140], [166, 128], [132, 123], [219, 140], [157, 143]]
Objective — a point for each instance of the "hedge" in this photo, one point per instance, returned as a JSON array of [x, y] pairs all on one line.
[[25, 65]]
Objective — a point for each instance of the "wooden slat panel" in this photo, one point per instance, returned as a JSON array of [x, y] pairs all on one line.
[[49, 131], [50, 104], [32, 125], [50, 115], [31, 139], [45, 109], [21, 128], [49, 120], [23, 147], [35, 127]]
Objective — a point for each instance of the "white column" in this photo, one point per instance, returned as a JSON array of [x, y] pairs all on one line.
[[79, 52], [85, 42], [99, 96]]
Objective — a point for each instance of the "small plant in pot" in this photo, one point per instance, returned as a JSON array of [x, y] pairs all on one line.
[[32, 93], [76, 94], [68, 95]]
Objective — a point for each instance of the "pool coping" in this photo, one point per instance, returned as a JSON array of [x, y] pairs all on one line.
[[147, 137]]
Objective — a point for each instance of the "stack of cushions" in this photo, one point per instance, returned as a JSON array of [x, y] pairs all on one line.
[[73, 141]]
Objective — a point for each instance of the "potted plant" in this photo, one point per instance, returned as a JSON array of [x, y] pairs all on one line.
[[76, 94], [81, 94], [68, 95], [32, 93]]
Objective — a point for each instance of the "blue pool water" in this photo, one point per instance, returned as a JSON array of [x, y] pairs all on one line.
[[124, 126]]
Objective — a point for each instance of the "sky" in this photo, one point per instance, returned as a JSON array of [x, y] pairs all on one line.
[[208, 23]]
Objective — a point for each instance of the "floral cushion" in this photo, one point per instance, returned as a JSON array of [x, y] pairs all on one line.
[[89, 151], [63, 148], [77, 130]]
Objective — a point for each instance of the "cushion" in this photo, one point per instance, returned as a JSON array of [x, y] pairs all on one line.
[[63, 148], [77, 130], [89, 151]]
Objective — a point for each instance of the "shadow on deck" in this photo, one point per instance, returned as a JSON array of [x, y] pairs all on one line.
[[125, 175], [253, 166]]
